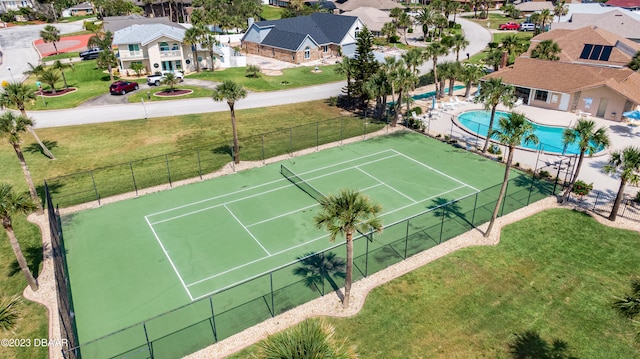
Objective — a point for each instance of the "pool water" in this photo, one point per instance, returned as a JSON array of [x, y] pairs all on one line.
[[432, 93], [550, 137]]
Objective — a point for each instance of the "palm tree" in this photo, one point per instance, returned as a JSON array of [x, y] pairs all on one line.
[[346, 67], [389, 29], [545, 17], [433, 51], [514, 130], [231, 92], [590, 140], [50, 77], [459, 43], [106, 59], [8, 312], [34, 70], [50, 34], [425, 19], [629, 305], [58, 65], [378, 87], [170, 80], [470, 74], [192, 38], [626, 164], [546, 50], [414, 59], [137, 67], [16, 94], [492, 93], [11, 203], [404, 22], [12, 127], [209, 42], [560, 9], [313, 338], [345, 213]]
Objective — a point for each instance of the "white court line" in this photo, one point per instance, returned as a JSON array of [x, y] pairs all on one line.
[[435, 170], [248, 231], [385, 184], [169, 258], [262, 184], [288, 185], [282, 215]]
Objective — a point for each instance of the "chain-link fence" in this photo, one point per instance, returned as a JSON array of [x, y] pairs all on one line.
[[93, 185], [602, 204], [203, 322], [63, 290]]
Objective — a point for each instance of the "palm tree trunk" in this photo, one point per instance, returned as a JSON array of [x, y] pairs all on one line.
[[565, 196], [236, 147], [396, 113], [486, 142], [213, 60], [503, 189], [467, 90], [435, 76], [616, 204], [110, 72], [349, 270], [33, 133], [22, 262], [195, 58], [55, 47], [27, 173], [64, 78]]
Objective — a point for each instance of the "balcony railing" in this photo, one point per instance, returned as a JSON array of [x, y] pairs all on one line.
[[131, 55], [171, 53]]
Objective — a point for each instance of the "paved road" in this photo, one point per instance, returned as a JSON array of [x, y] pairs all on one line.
[[16, 43]]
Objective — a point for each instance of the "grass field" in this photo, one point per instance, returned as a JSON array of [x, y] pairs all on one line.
[[290, 78], [554, 274], [271, 12], [192, 266], [142, 93]]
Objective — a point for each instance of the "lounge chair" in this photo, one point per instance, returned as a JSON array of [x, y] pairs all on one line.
[[518, 102], [458, 101]]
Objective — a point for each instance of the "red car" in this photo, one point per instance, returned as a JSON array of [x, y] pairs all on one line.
[[122, 87], [509, 26]]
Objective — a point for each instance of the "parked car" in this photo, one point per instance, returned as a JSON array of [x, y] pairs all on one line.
[[157, 78], [122, 87], [91, 54], [509, 26], [527, 26]]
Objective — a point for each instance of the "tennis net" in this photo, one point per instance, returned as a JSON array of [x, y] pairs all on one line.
[[300, 183]]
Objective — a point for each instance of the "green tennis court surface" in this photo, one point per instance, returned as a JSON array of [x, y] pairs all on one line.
[[136, 259]]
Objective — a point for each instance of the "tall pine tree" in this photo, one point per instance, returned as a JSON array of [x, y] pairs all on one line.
[[365, 65]]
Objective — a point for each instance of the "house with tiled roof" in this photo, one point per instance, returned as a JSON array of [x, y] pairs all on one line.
[[373, 18], [303, 38], [160, 47], [623, 23], [590, 77], [349, 5], [633, 5]]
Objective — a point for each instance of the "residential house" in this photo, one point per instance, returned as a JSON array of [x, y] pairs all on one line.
[[590, 77], [8, 5], [160, 47], [303, 38], [621, 22], [81, 9], [115, 23], [631, 5], [373, 18], [530, 7], [350, 5]]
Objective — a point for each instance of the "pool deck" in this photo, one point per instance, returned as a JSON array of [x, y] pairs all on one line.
[[620, 134]]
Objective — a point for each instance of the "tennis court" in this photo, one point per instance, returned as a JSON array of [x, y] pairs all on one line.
[[136, 259]]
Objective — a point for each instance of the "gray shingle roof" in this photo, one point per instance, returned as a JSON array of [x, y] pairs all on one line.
[[143, 34], [323, 28]]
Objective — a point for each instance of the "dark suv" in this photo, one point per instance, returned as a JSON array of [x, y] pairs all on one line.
[[122, 87], [91, 54]]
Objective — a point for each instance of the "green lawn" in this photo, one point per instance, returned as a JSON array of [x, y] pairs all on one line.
[[290, 78], [142, 93], [61, 56], [91, 146], [270, 12], [85, 76], [553, 275]]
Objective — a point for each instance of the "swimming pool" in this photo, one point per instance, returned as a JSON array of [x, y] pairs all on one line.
[[421, 96], [550, 137]]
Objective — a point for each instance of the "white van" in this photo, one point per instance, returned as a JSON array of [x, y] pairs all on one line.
[[527, 26]]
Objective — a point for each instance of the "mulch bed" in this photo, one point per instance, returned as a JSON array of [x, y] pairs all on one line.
[[175, 92], [61, 92]]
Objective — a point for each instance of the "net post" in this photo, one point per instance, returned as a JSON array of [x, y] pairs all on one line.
[[135, 186], [166, 160]]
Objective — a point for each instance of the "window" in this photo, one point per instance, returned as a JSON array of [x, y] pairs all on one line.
[[325, 48], [307, 52], [541, 95], [134, 48], [175, 47], [164, 46], [179, 65]]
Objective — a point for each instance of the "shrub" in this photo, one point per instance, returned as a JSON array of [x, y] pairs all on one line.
[[414, 124], [394, 39], [333, 101], [499, 158], [495, 150], [417, 110], [252, 71], [410, 30], [517, 164], [582, 188], [544, 174]]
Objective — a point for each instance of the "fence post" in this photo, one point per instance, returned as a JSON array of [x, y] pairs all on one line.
[[199, 165], [533, 179], [473, 216], [477, 135], [135, 186], [213, 320], [406, 239], [504, 199], [341, 130], [146, 335], [273, 308], [290, 140], [317, 135], [366, 259], [95, 188], [263, 159], [595, 204], [166, 160], [323, 279]]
